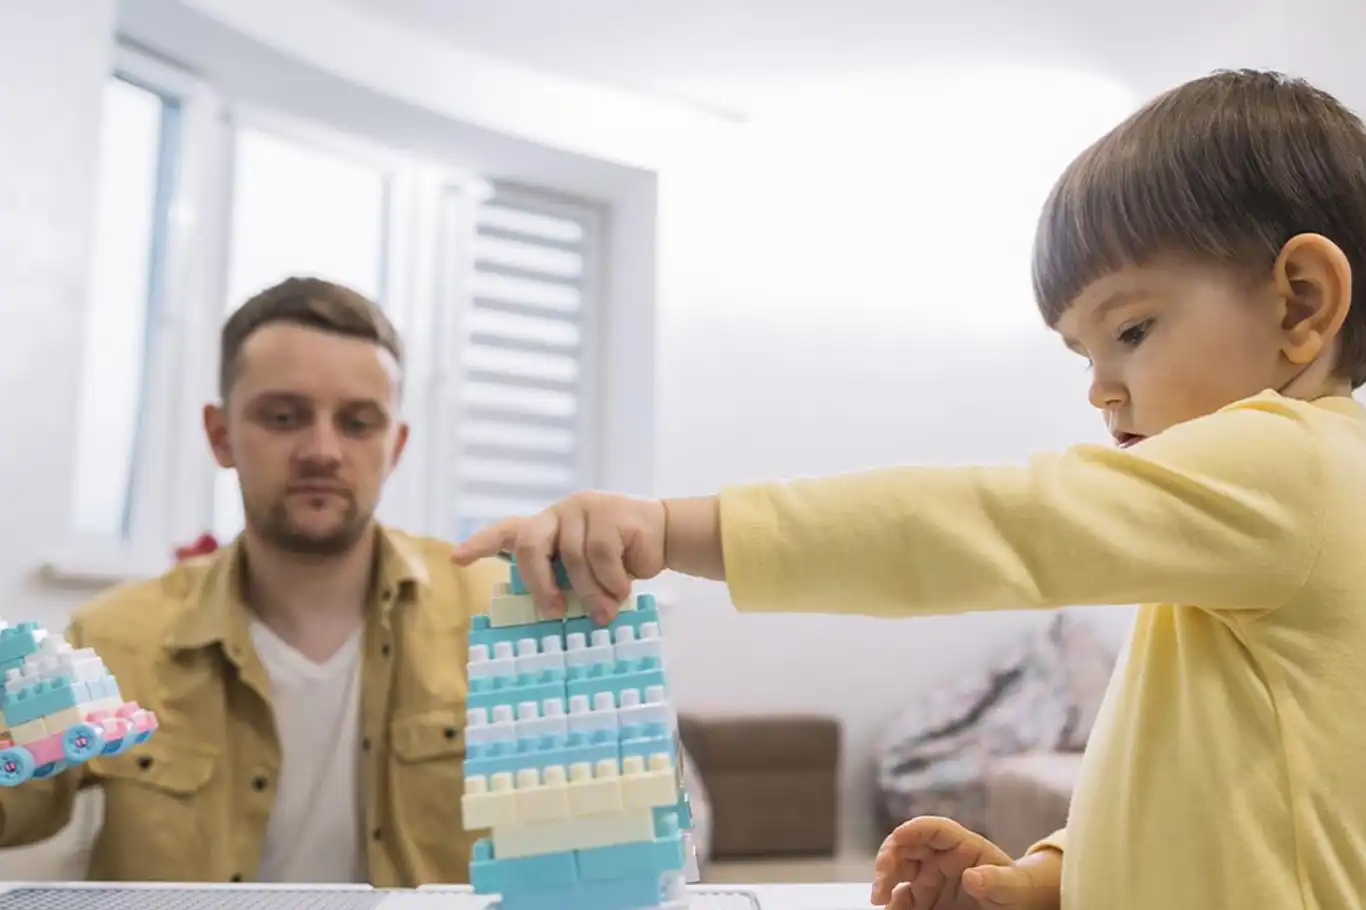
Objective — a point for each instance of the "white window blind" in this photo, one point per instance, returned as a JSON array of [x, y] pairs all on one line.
[[528, 425]]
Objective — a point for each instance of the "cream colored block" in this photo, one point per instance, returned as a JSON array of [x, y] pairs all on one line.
[[573, 608], [512, 610], [574, 834], [508, 609], [542, 797], [645, 785], [594, 790], [488, 802], [59, 721], [34, 730]]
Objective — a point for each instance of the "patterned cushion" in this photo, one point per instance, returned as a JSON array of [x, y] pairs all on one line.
[[1032, 697]]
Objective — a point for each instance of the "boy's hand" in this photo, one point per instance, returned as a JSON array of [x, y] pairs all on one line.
[[933, 863], [604, 541]]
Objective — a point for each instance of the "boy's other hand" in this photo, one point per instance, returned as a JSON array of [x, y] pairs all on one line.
[[936, 863], [605, 542]]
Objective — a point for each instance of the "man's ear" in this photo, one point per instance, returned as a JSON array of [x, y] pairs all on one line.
[[216, 431], [1314, 281], [400, 444]]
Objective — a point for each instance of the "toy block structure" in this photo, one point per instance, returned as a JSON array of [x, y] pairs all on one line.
[[572, 759], [60, 706]]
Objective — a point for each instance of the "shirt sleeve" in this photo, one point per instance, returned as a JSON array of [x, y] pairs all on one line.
[[1226, 512], [1055, 841]]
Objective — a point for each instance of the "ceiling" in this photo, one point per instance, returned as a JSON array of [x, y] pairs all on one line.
[[731, 55]]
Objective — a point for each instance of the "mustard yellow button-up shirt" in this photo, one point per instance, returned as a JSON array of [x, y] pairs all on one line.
[[191, 803]]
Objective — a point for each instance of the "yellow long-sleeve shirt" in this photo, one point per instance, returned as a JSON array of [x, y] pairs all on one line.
[[1227, 768]]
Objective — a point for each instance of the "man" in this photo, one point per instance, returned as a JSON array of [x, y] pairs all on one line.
[[309, 678]]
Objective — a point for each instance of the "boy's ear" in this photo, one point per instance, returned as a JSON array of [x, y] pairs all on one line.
[[1314, 281]]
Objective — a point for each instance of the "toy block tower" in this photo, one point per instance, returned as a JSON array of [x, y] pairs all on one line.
[[573, 760], [60, 706]]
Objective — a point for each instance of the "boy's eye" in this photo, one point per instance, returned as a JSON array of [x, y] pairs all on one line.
[[1135, 334]]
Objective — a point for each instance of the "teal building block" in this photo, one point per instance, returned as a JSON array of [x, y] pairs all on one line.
[[491, 691], [516, 875], [41, 699], [518, 585], [633, 893], [482, 632], [522, 754], [614, 678], [18, 642]]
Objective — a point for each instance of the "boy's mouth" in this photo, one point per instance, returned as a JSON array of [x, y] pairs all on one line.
[[1124, 440]]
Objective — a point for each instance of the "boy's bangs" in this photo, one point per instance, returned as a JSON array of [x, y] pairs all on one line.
[[1137, 194]]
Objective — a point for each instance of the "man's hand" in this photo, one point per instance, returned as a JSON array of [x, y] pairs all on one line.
[[605, 542], [933, 863]]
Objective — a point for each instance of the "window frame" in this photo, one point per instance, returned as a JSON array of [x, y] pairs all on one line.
[[429, 263]]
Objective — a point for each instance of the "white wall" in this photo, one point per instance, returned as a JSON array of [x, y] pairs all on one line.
[[54, 57], [847, 286]]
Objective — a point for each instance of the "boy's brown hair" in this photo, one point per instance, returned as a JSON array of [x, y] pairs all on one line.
[[310, 302], [1227, 167]]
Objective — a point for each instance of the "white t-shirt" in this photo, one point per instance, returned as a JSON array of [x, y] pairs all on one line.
[[314, 832]]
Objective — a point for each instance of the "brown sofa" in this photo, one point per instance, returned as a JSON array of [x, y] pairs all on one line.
[[773, 783]]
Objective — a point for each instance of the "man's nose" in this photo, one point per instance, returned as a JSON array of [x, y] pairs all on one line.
[[321, 444]]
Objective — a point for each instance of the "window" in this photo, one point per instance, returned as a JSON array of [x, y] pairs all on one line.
[[205, 199], [299, 207], [138, 146], [527, 393]]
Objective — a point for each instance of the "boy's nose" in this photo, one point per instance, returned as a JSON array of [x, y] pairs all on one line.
[[1106, 394]]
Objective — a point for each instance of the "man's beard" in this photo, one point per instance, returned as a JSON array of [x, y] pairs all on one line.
[[278, 528]]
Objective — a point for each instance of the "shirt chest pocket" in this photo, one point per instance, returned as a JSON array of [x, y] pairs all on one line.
[[427, 779], [159, 817]]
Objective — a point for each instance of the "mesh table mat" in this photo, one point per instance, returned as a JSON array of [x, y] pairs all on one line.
[[189, 898]]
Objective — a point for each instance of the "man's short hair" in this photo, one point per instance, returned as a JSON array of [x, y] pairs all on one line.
[[310, 302], [1225, 168]]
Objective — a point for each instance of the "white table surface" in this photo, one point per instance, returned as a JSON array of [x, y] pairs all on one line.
[[814, 896]]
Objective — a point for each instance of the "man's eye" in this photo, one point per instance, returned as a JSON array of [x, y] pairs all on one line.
[[360, 424]]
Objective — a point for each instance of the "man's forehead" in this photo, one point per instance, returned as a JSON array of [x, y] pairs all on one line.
[[316, 363]]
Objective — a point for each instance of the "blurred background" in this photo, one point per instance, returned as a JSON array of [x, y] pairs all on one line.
[[640, 245]]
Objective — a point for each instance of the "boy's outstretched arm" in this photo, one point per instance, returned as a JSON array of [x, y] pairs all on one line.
[[1225, 511]]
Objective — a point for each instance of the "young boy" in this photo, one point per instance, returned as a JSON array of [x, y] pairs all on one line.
[[1201, 258]]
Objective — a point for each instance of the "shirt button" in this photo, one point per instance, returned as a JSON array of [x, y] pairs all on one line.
[[376, 834], [365, 744], [259, 783], [236, 877], [450, 732], [144, 762], [384, 649]]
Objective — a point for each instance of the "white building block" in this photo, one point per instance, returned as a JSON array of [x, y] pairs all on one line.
[[574, 834], [597, 716], [589, 650], [630, 646], [652, 708], [540, 657], [482, 729], [488, 802], [646, 785], [595, 790], [484, 664], [546, 719], [542, 796]]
